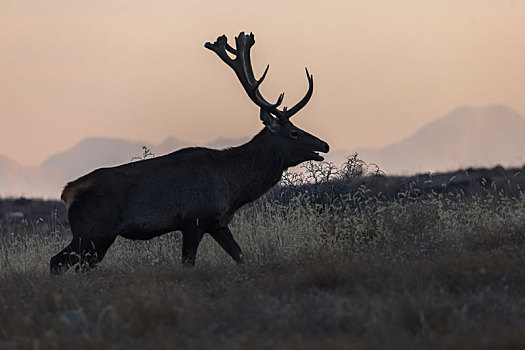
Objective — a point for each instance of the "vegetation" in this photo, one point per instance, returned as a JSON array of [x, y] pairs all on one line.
[[335, 258]]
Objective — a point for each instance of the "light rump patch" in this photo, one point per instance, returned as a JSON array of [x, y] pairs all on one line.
[[72, 189]]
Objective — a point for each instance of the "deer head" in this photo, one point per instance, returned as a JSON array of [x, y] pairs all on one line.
[[295, 144]]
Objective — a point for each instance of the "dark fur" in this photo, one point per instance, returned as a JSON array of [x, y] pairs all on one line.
[[195, 190]]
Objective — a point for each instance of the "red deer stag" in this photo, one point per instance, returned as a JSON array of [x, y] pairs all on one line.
[[195, 190]]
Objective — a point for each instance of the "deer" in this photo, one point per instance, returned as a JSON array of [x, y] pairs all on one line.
[[195, 190]]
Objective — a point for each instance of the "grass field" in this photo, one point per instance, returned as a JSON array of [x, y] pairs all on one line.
[[429, 272]]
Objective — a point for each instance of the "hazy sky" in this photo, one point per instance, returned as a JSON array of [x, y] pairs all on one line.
[[71, 69]]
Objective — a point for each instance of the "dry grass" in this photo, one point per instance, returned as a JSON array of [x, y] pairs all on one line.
[[425, 273]]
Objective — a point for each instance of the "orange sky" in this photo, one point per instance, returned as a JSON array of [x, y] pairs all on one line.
[[139, 70]]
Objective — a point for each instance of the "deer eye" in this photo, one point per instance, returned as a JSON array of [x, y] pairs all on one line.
[[294, 134]]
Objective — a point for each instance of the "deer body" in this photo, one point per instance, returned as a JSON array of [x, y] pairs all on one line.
[[186, 185], [195, 190]]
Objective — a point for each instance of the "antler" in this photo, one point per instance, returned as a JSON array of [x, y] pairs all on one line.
[[242, 67]]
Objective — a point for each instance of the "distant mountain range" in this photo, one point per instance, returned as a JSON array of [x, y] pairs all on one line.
[[16, 180], [89, 154], [465, 137], [96, 152]]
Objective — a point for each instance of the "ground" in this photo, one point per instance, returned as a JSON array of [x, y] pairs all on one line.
[[427, 272]]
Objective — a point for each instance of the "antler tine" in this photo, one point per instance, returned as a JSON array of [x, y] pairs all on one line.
[[219, 47], [263, 76], [244, 43], [230, 49], [290, 112]]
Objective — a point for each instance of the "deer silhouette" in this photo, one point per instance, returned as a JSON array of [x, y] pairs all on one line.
[[195, 190]]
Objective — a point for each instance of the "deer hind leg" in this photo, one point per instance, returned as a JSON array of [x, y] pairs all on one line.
[[92, 226], [85, 254], [224, 237], [92, 252], [191, 238], [66, 258]]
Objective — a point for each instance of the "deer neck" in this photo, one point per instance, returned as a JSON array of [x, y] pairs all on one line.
[[259, 165]]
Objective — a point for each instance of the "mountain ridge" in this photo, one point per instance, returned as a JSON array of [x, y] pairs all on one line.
[[465, 137], [85, 156]]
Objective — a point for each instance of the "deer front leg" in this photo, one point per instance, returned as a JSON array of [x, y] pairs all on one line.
[[191, 237], [224, 237]]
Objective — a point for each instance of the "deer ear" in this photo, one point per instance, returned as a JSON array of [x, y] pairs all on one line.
[[270, 122]]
